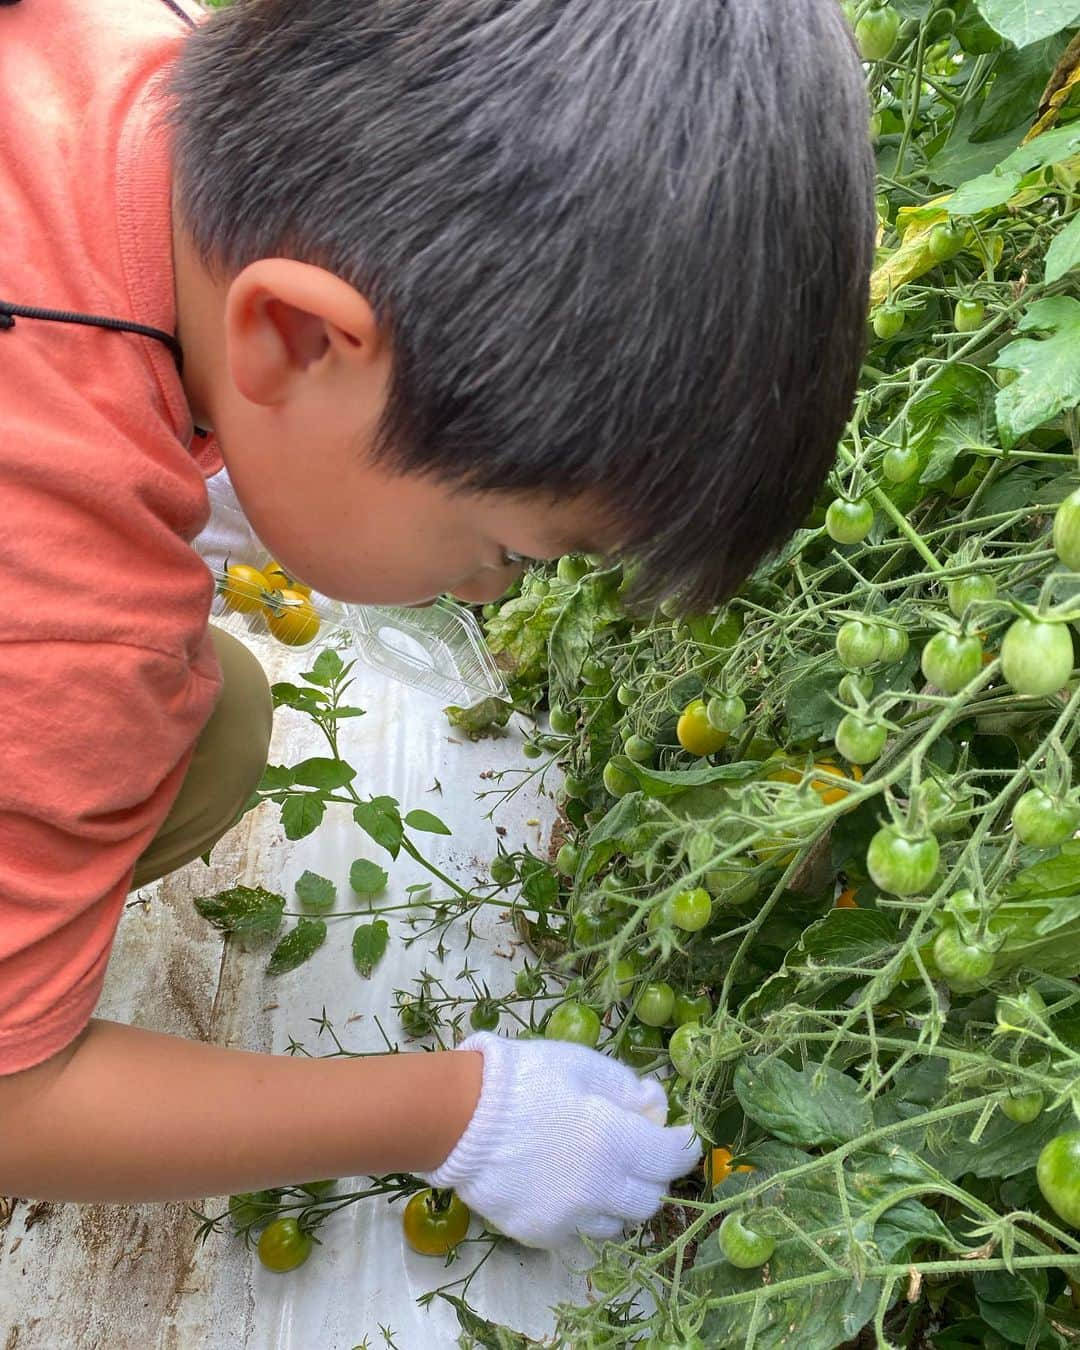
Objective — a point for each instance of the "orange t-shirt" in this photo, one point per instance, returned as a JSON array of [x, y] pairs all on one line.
[[107, 673]]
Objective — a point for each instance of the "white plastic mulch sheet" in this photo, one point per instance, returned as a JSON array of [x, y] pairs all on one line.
[[112, 1277]]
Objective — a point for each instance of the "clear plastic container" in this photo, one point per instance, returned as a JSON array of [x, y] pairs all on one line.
[[437, 649]]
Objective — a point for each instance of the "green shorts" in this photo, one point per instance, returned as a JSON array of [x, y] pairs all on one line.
[[228, 762]]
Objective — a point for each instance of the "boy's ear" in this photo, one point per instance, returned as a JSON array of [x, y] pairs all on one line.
[[283, 318]]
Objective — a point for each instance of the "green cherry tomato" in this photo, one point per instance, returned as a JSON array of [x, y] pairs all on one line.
[[1067, 531], [968, 315], [503, 871], [1020, 1012], [888, 322], [859, 644], [688, 1047], [528, 982], [876, 33], [899, 463], [678, 1093], [901, 865], [575, 787], [1044, 821], [1037, 657], [595, 673], [284, 1246], [848, 522], [531, 750], [950, 662], [562, 722], [656, 1004], [617, 781], [858, 740], [594, 926], [485, 1015], [641, 1046], [946, 240], [574, 1022], [627, 695], [972, 590], [725, 712], [571, 567], [894, 645], [688, 1009], [640, 749], [434, 1222], [567, 859], [690, 910], [745, 1249], [625, 975], [851, 682], [964, 963], [1022, 1109], [1058, 1173]]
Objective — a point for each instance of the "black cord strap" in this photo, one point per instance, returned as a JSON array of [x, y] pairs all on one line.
[[9, 313]]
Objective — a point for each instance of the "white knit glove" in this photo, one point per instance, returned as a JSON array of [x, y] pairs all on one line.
[[563, 1140]]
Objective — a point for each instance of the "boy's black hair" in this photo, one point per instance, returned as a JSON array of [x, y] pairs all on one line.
[[621, 245]]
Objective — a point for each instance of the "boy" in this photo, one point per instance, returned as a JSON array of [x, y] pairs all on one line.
[[453, 283]]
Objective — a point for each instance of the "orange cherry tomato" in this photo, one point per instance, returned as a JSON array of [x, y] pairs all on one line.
[[846, 900], [244, 588], [291, 617], [282, 580], [717, 1166]]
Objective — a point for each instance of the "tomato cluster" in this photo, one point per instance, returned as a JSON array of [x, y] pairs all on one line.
[[283, 602]]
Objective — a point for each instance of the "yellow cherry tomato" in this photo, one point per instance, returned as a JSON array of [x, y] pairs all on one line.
[[434, 1222], [696, 733], [826, 783], [717, 1166], [244, 588], [281, 580], [291, 617]]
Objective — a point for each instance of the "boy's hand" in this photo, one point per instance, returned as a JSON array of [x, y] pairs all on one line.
[[563, 1140]]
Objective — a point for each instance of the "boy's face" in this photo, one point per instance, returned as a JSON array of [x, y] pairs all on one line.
[[289, 368]]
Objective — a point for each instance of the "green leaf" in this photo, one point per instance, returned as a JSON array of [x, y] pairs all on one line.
[[367, 878], [424, 820], [481, 717], [287, 695], [610, 835], [1064, 251], [275, 777], [325, 774], [328, 667], [815, 1105], [590, 609], [984, 193], [810, 705], [296, 947], [1025, 21], [539, 885], [369, 943], [243, 909], [1019, 80], [381, 822], [843, 937], [480, 1334], [670, 782], [315, 892], [1048, 370], [1003, 1149], [302, 814]]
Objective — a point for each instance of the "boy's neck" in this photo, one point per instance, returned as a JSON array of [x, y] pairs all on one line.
[[200, 328]]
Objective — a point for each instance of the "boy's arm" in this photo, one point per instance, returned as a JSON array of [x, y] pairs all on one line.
[[130, 1115], [541, 1138]]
